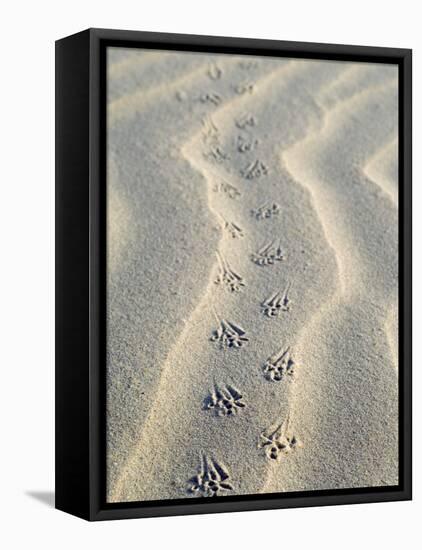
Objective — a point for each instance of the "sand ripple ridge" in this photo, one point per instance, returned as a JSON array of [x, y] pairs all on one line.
[[321, 420]]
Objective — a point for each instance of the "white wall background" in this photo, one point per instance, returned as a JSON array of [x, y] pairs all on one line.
[[27, 272]]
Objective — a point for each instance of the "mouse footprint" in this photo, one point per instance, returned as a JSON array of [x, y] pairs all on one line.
[[279, 365], [225, 400], [227, 276], [275, 304], [278, 442], [266, 211], [254, 170], [211, 479], [228, 334], [268, 254]]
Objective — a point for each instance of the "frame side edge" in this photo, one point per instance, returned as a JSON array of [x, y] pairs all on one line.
[[72, 337], [406, 250]]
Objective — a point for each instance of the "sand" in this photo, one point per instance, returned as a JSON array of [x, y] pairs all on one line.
[[252, 275]]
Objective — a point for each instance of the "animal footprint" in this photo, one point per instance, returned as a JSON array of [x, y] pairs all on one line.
[[245, 121], [268, 254], [210, 132], [228, 334], [214, 72], [227, 276], [244, 88], [211, 479], [216, 154], [244, 145], [181, 95], [232, 229], [279, 365], [226, 401], [211, 97], [230, 190], [278, 442], [266, 211], [272, 306], [254, 170]]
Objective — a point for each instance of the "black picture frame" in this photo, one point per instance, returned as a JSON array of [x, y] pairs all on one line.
[[81, 270]]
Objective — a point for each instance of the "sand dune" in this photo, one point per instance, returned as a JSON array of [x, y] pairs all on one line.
[[255, 207]]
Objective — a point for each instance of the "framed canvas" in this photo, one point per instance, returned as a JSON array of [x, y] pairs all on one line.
[[233, 322]]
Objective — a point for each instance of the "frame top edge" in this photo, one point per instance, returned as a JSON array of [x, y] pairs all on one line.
[[263, 44]]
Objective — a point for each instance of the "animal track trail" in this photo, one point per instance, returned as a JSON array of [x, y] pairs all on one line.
[[215, 154], [211, 479], [212, 155], [225, 400], [229, 334]]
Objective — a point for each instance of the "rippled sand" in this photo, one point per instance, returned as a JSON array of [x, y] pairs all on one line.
[[251, 201]]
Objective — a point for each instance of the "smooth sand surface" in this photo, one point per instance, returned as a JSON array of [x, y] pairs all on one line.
[[250, 201]]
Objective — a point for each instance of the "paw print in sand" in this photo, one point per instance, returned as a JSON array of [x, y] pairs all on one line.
[[279, 442], [225, 401], [254, 170], [268, 254], [231, 228], [279, 365], [226, 276], [266, 210], [272, 306], [227, 189], [211, 479], [228, 334]]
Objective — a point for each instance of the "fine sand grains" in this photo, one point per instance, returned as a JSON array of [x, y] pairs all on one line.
[[252, 283]]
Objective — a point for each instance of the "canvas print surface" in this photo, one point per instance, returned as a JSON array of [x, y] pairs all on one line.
[[252, 275]]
